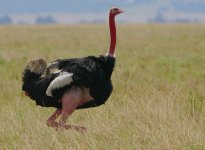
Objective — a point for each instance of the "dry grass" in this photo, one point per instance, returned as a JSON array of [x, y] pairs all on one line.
[[158, 101]]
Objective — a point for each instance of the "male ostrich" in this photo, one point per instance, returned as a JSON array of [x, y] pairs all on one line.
[[79, 82]]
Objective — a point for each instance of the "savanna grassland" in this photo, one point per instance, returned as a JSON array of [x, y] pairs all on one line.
[[159, 88]]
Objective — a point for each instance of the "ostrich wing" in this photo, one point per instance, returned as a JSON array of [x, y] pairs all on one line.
[[80, 72]]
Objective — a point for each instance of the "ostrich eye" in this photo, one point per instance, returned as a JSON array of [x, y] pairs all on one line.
[[113, 11]]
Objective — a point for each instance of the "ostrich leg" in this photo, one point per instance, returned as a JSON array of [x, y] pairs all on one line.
[[70, 100]]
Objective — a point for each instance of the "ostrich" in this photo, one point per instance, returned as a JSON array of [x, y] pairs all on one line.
[[78, 83]]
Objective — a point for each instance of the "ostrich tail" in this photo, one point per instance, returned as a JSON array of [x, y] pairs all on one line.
[[37, 66], [34, 69]]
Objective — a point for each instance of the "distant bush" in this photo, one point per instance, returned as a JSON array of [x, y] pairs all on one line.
[[45, 20], [6, 20]]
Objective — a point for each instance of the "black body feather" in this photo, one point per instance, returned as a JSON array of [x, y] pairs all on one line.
[[91, 72]]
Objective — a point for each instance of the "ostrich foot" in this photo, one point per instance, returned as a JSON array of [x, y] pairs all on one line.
[[60, 127], [52, 124], [80, 129]]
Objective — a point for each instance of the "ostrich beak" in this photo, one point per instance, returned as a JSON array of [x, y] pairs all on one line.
[[121, 11]]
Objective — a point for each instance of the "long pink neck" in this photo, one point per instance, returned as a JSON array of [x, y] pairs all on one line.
[[112, 35]]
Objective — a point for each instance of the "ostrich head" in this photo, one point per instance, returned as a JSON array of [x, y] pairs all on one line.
[[115, 11]]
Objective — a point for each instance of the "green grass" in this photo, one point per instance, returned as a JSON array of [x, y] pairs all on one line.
[[159, 80]]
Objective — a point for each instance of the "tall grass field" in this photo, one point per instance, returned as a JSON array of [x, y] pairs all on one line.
[[158, 100]]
